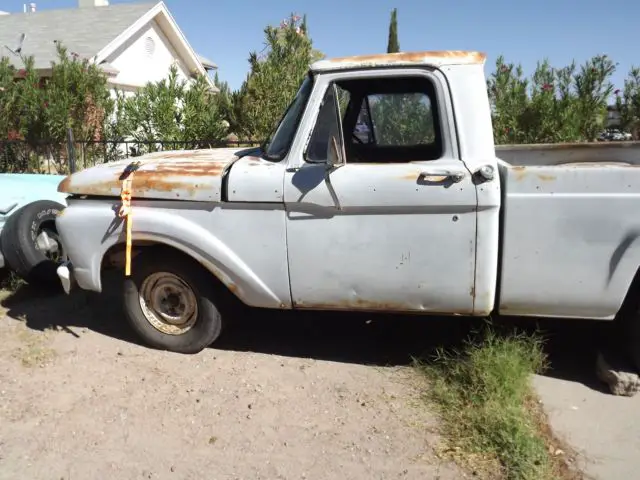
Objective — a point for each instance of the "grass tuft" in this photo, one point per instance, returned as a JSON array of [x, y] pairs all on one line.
[[9, 281], [482, 393]]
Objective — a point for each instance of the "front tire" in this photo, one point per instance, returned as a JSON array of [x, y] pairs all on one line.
[[170, 302]]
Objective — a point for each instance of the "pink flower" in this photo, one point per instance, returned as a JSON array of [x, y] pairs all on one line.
[[547, 87]]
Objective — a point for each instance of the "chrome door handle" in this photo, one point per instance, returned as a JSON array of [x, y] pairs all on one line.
[[454, 176]]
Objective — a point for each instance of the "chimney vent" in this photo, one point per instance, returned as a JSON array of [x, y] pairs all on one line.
[[93, 3]]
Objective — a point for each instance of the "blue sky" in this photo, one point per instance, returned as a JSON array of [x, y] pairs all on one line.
[[227, 30]]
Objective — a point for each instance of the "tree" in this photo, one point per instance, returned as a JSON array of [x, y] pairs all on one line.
[[40, 110], [628, 104], [554, 105], [274, 77], [76, 96], [171, 110], [593, 88], [393, 45]]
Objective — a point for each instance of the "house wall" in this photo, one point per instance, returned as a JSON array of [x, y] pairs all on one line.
[[146, 57]]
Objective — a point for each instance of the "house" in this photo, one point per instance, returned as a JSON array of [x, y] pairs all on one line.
[[133, 43]]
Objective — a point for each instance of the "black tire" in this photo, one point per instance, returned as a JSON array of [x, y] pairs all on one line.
[[166, 265], [19, 243]]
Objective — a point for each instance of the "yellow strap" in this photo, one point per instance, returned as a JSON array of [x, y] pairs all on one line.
[[126, 212]]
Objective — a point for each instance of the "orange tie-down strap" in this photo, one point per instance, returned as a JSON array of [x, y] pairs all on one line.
[[126, 210]]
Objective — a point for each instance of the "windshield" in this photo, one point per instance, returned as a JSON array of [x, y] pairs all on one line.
[[278, 144]]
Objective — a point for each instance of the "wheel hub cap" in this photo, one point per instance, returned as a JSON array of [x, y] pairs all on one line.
[[168, 303]]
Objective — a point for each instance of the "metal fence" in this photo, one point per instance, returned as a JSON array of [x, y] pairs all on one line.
[[20, 156]]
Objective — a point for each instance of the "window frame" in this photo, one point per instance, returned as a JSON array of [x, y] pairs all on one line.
[[337, 113], [442, 100]]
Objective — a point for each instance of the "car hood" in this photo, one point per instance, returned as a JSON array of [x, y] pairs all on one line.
[[29, 180], [18, 189], [194, 175]]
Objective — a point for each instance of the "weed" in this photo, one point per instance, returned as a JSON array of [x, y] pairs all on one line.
[[482, 393]]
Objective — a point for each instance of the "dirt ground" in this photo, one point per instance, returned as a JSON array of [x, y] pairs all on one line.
[[280, 397]]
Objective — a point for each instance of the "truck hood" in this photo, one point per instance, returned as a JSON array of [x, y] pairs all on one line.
[[194, 175]]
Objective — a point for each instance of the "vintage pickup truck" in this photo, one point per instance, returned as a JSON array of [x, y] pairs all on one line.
[[417, 213]]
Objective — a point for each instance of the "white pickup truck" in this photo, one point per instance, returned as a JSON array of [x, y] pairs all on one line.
[[415, 214]]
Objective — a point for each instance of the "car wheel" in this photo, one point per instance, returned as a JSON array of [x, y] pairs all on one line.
[[170, 302], [30, 243]]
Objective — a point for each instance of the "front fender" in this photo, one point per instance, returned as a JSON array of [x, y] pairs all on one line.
[[182, 228]]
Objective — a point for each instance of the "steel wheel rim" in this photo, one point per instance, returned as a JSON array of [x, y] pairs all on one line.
[[168, 303]]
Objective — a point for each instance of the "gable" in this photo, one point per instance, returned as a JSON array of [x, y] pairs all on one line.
[[145, 57], [165, 24]]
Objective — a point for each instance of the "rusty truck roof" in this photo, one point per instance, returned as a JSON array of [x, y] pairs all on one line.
[[428, 58]]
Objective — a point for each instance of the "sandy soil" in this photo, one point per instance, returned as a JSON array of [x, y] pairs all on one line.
[[280, 397]]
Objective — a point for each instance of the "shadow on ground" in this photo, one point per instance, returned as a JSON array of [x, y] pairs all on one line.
[[372, 339], [41, 310]]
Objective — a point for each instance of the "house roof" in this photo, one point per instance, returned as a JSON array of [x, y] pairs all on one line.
[[91, 32], [85, 31], [206, 63]]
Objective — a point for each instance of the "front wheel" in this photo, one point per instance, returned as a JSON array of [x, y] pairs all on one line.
[[169, 301]]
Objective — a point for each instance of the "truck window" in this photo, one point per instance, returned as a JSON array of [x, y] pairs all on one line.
[[277, 145], [327, 126], [391, 120]]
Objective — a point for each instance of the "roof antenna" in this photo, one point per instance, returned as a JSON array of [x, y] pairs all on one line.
[[17, 51]]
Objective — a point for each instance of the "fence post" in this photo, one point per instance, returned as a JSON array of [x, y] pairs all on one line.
[[71, 151]]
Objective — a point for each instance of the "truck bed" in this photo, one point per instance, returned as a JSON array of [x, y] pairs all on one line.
[[570, 224]]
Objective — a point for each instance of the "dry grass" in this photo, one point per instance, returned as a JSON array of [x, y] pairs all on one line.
[[491, 419]]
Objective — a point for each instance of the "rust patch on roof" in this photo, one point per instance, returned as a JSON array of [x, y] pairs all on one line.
[[436, 57]]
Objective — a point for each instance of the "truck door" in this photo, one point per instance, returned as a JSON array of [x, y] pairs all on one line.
[[391, 224]]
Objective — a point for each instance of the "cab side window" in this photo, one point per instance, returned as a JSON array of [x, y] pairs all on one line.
[[390, 120]]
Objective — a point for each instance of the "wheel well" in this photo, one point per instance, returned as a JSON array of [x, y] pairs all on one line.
[[114, 258]]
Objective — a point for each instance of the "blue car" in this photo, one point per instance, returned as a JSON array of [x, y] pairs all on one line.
[[29, 244]]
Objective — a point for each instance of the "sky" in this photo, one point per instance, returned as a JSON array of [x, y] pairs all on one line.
[[225, 31]]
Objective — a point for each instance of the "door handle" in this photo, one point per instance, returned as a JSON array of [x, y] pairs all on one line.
[[454, 176]]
